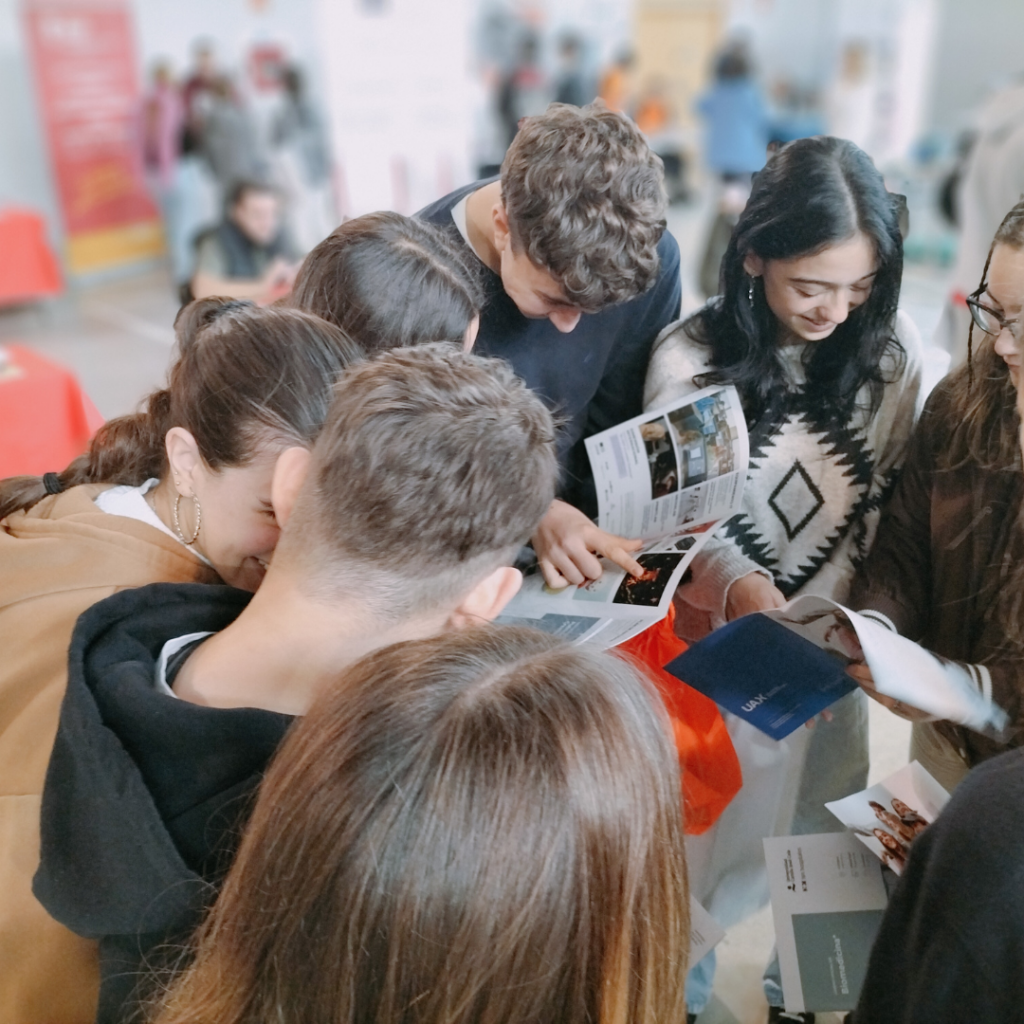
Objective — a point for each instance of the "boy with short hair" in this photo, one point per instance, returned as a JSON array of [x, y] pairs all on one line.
[[432, 468], [573, 236]]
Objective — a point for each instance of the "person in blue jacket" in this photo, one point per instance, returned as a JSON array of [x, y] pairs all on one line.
[[738, 127]]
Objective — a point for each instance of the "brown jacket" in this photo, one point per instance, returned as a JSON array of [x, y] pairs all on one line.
[[56, 560], [944, 545]]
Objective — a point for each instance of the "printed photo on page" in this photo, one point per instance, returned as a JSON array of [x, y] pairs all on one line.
[[888, 817], [616, 593], [675, 466]]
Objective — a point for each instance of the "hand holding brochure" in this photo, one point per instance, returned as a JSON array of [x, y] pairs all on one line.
[[779, 668], [669, 477]]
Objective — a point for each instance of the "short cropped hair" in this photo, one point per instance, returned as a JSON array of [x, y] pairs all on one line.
[[585, 200], [433, 467]]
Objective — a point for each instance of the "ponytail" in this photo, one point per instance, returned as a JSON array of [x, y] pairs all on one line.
[[224, 388], [127, 450]]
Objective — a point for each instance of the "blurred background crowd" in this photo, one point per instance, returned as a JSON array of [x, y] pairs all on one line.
[[194, 138]]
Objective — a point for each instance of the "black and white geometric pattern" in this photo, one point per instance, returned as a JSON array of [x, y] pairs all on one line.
[[812, 484]]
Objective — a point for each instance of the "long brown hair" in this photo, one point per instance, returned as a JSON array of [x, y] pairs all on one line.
[[479, 827], [391, 281], [986, 432], [983, 399], [244, 377]]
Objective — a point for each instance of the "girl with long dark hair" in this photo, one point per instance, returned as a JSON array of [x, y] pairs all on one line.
[[807, 330]]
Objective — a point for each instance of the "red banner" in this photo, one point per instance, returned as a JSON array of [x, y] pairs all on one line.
[[84, 57]]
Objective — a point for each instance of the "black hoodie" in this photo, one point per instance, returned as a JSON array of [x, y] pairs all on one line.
[[145, 794]]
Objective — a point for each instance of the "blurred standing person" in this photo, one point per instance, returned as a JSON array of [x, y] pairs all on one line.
[[525, 91], [992, 182], [850, 103], [198, 92], [163, 121], [738, 130], [616, 83], [656, 119], [736, 118], [489, 133], [302, 165], [230, 139], [571, 85], [248, 255]]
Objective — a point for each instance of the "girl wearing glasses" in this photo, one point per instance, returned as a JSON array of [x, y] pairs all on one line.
[[807, 329], [947, 569]]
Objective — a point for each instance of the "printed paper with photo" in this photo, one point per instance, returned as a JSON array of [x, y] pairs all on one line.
[[668, 477], [682, 464], [888, 817]]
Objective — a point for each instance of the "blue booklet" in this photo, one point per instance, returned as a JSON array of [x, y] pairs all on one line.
[[765, 673]]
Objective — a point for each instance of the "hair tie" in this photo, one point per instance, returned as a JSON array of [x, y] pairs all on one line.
[[51, 481]]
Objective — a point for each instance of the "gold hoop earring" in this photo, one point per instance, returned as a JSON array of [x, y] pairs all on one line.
[[177, 524]]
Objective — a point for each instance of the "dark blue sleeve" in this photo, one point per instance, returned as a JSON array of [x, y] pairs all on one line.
[[620, 394]]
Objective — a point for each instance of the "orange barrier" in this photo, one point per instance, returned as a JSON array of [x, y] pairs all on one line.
[[28, 267], [710, 768], [45, 417]]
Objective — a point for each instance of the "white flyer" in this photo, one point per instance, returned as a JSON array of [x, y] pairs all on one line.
[[889, 816], [828, 899]]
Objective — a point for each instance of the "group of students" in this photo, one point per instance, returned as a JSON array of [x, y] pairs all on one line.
[[372, 803]]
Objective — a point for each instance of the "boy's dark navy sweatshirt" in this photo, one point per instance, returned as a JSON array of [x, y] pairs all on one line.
[[145, 794], [593, 377]]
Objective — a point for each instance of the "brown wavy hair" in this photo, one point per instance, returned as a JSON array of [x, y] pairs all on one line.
[[244, 377], [390, 281], [585, 199], [983, 399], [986, 433], [479, 827]]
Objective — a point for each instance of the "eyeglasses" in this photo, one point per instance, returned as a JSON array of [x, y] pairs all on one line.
[[990, 321]]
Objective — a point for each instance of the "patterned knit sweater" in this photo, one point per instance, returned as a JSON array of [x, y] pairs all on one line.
[[814, 490]]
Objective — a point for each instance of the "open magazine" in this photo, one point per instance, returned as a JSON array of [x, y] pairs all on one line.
[[779, 668], [670, 477]]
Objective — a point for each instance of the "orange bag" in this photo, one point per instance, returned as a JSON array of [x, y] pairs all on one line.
[[707, 759]]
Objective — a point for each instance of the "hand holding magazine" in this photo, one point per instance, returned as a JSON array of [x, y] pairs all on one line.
[[779, 668], [670, 477]]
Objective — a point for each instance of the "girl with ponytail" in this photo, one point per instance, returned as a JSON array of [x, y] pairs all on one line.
[[180, 492]]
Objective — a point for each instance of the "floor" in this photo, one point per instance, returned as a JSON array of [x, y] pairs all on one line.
[[117, 336]]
